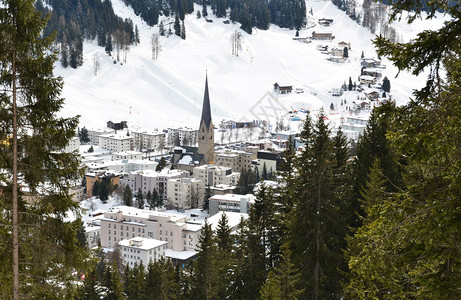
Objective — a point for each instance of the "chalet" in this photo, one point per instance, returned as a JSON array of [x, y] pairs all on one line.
[[117, 126], [375, 72], [283, 89], [372, 95], [337, 52], [371, 63], [322, 36], [343, 45], [366, 79]]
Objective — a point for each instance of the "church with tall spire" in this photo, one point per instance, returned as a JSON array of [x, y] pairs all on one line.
[[206, 130]]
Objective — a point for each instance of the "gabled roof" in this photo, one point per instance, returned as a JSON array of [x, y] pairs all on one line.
[[206, 110]]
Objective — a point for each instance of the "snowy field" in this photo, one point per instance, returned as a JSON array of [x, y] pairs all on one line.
[[169, 91]]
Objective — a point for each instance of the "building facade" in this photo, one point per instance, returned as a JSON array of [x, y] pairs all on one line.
[[116, 143], [148, 140], [150, 180], [138, 249], [186, 193]]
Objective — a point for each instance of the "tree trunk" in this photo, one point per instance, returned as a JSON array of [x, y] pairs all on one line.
[[15, 186]]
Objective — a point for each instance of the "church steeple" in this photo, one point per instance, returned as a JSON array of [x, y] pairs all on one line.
[[206, 111], [206, 130]]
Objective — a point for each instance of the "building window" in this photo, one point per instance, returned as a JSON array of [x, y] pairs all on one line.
[[171, 233], [108, 226], [115, 226]]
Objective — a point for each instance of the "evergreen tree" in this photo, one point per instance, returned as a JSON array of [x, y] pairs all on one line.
[[409, 235], [113, 284], [183, 33], [83, 135], [386, 84], [283, 281], [136, 35], [199, 15], [38, 240], [223, 262], [206, 198], [346, 52], [161, 29], [316, 227], [204, 269], [96, 188], [350, 84], [374, 144], [177, 26], [103, 191], [158, 199], [127, 196], [204, 10], [265, 175], [90, 289], [161, 164], [109, 48], [139, 199], [149, 199]]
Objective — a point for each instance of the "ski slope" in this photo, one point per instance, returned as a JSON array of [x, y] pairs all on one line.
[[156, 94]]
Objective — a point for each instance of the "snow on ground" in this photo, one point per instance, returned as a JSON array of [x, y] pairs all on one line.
[[169, 91]]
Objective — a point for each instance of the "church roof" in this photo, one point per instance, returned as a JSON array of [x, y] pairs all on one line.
[[206, 111]]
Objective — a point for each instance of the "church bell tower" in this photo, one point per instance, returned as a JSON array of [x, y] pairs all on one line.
[[206, 131]]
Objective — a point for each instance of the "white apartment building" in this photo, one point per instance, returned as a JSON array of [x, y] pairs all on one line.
[[230, 203], [116, 143], [215, 175], [148, 140], [185, 193], [148, 180], [187, 136], [93, 134], [237, 160], [121, 166], [123, 222], [133, 155], [93, 235], [138, 249], [74, 145]]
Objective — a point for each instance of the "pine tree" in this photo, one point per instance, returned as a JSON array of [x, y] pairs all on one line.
[[282, 282], [161, 164], [204, 10], [223, 262], [177, 27], [386, 84], [183, 35], [90, 289], [139, 199], [316, 227], [350, 84], [161, 29], [410, 235], [127, 196], [113, 284], [83, 135], [103, 191], [206, 198], [38, 242], [265, 175], [346, 52], [204, 269]]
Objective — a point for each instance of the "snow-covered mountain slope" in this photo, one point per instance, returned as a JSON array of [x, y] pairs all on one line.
[[169, 91]]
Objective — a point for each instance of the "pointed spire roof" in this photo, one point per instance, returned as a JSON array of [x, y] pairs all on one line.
[[206, 111]]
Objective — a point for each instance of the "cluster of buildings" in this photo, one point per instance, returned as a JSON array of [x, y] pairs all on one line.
[[143, 235]]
